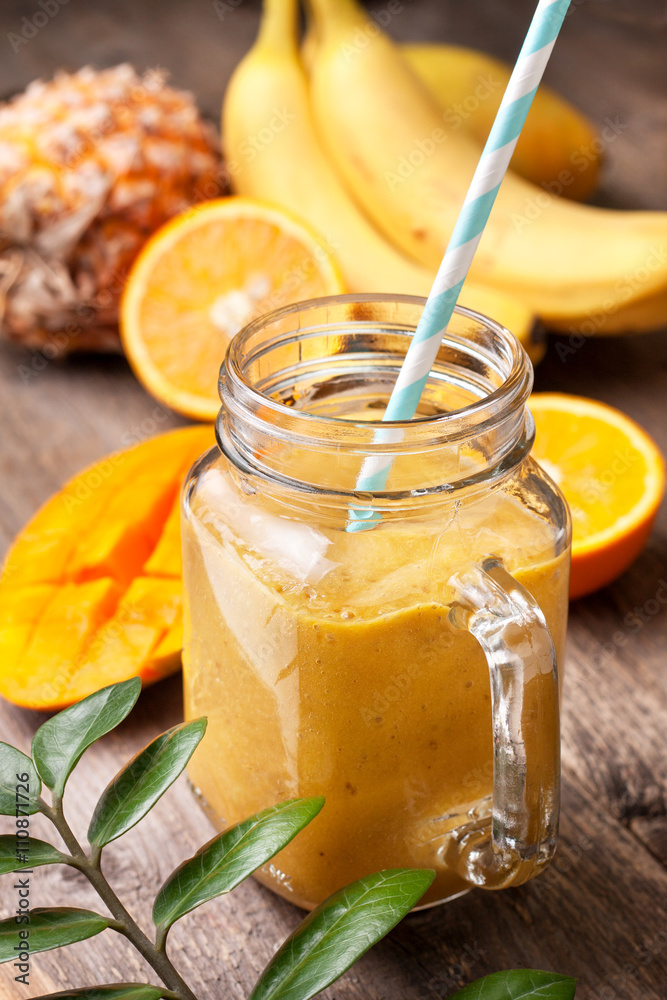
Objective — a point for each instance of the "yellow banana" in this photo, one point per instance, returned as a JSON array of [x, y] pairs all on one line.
[[385, 132], [558, 145], [642, 314], [273, 153]]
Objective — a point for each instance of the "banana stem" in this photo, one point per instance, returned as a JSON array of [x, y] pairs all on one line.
[[278, 27], [328, 15], [310, 38]]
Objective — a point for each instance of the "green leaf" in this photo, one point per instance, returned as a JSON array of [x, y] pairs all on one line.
[[519, 984], [137, 787], [36, 853], [114, 991], [13, 764], [57, 746], [50, 928], [226, 860], [340, 931]]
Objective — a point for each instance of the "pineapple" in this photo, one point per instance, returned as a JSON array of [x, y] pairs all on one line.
[[90, 165]]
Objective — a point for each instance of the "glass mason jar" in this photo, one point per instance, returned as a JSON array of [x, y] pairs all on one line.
[[406, 672]]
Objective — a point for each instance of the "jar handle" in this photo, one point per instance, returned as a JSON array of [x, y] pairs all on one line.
[[519, 839]]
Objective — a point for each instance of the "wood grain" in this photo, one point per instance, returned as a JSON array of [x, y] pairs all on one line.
[[600, 913]]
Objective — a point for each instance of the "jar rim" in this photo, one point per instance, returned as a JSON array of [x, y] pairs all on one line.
[[293, 353], [514, 388]]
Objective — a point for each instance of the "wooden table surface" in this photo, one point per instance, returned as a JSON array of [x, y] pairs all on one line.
[[600, 913]]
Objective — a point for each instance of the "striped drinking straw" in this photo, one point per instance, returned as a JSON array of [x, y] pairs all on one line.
[[462, 245]]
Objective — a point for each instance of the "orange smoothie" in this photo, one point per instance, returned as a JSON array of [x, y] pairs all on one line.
[[327, 665]]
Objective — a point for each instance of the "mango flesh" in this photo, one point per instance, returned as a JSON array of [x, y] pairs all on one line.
[[90, 593]]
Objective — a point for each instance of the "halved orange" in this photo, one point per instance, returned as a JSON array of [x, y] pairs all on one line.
[[200, 279], [612, 475]]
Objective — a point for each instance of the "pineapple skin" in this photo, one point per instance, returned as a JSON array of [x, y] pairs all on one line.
[[91, 164]]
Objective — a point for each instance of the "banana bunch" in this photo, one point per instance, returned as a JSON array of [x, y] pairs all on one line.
[[274, 154], [361, 149], [558, 147]]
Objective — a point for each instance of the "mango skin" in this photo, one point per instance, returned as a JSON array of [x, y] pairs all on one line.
[[90, 591]]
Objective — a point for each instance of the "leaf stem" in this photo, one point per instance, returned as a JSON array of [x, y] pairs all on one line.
[[161, 938], [123, 923]]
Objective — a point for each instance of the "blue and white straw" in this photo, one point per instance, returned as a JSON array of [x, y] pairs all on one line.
[[463, 242]]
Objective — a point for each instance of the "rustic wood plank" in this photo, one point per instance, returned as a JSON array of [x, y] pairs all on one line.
[[600, 911], [618, 637], [652, 831]]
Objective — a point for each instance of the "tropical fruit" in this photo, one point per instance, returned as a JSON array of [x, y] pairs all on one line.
[[558, 147], [90, 592], [280, 159], [91, 163], [612, 475], [384, 131], [200, 279]]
